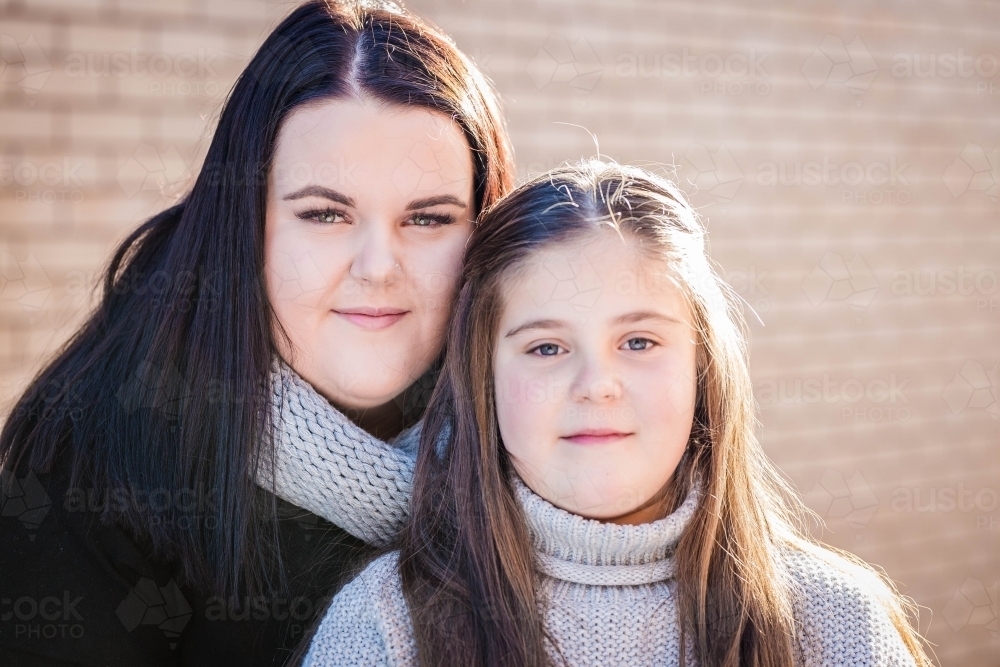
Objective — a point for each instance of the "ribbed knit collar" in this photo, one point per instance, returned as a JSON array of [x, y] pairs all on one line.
[[585, 551], [288, 388]]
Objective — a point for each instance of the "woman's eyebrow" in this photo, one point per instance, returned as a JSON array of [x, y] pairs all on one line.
[[435, 201], [321, 191]]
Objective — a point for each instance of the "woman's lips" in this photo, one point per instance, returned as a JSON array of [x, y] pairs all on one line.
[[596, 437], [372, 319]]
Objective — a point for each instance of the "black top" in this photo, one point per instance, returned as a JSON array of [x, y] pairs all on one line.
[[76, 592]]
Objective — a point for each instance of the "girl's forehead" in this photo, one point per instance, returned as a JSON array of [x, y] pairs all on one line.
[[601, 269], [603, 250]]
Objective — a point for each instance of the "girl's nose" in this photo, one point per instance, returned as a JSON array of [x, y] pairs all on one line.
[[596, 381]]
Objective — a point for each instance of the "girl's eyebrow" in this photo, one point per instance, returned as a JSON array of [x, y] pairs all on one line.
[[627, 318], [536, 324], [640, 315]]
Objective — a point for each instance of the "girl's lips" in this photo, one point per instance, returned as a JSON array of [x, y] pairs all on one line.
[[373, 319], [596, 437]]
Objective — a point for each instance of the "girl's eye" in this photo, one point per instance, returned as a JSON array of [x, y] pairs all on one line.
[[639, 344], [546, 350], [323, 216], [431, 219]]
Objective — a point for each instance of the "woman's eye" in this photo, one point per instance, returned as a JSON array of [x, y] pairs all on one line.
[[431, 219], [325, 216], [639, 344], [546, 350]]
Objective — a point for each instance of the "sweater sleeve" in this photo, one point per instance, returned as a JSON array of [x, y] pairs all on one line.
[[840, 619], [326, 464], [366, 624]]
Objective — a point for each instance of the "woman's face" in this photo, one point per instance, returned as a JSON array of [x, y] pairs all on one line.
[[595, 378], [369, 207]]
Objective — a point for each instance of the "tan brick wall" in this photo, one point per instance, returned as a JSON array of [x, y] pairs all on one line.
[[851, 201]]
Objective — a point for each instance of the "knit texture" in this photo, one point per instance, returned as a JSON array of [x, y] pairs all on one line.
[[608, 596], [326, 464]]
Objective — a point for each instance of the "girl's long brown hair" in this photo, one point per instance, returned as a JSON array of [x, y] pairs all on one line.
[[466, 562]]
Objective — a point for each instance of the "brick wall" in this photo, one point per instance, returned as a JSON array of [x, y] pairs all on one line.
[[844, 155]]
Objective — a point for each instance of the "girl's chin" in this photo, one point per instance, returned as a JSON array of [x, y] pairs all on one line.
[[606, 506]]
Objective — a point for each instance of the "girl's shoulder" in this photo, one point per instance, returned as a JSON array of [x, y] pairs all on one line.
[[367, 623], [844, 612]]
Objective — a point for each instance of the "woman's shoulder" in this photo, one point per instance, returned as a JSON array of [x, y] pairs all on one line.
[[367, 623], [842, 610]]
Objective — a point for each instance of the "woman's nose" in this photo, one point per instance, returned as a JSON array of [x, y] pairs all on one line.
[[376, 260]]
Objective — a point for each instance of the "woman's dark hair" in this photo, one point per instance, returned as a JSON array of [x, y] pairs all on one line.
[[166, 386], [467, 563]]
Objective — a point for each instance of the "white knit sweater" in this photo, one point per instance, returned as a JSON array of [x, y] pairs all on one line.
[[607, 591], [608, 597]]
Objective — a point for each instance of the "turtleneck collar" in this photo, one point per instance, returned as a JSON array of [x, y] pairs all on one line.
[[289, 388], [584, 551]]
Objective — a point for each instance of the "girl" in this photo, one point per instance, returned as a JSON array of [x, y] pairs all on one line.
[[588, 489], [311, 263]]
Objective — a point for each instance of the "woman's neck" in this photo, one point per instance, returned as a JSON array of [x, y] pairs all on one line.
[[383, 421]]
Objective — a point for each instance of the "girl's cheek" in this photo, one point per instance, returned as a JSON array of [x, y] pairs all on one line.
[[521, 405], [512, 384]]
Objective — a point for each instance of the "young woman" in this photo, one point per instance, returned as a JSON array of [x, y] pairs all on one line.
[[588, 488], [299, 293]]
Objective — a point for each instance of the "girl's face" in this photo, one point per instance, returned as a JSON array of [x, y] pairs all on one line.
[[595, 373], [369, 207]]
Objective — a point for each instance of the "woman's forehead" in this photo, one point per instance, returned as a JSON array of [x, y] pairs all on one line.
[[373, 153]]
